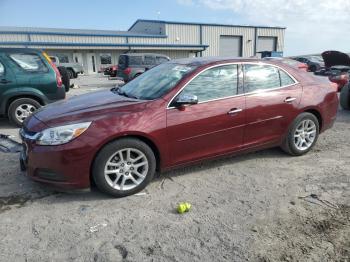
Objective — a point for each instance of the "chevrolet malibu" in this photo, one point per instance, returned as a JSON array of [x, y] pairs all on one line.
[[178, 113]]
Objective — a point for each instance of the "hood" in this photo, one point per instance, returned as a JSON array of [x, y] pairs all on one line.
[[334, 58], [85, 107]]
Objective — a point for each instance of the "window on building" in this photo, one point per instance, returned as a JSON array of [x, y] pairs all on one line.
[[29, 62], [106, 59], [214, 83]]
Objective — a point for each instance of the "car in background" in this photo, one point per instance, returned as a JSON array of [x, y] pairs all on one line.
[[314, 63], [73, 69], [337, 67], [132, 65], [175, 114], [111, 70], [28, 80], [291, 62]]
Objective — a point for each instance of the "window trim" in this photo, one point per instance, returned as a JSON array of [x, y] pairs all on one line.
[[237, 95], [26, 70]]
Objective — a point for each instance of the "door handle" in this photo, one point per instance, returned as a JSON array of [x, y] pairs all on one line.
[[289, 99], [4, 81], [234, 111]]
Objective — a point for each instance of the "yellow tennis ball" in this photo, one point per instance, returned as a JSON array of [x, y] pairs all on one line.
[[181, 208]]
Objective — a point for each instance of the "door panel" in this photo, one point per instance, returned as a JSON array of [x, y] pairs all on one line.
[[272, 101], [7, 79], [205, 129], [268, 116]]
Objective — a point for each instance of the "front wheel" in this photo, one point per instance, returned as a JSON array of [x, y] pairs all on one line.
[[302, 135], [124, 167], [20, 109]]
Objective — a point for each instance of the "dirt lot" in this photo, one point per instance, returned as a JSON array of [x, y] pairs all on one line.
[[255, 207]]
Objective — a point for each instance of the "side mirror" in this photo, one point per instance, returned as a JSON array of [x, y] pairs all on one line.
[[186, 99]]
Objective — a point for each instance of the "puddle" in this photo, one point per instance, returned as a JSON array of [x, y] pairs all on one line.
[[7, 145]]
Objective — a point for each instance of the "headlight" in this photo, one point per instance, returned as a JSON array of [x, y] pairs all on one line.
[[61, 134]]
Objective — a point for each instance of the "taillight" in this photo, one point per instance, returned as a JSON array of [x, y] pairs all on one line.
[[114, 68], [127, 71], [58, 74], [303, 66]]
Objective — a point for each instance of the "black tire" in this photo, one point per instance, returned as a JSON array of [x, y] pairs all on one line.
[[15, 104], [109, 150], [65, 77], [289, 145], [70, 73], [312, 68], [345, 97]]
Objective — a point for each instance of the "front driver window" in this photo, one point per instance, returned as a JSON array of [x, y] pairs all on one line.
[[214, 83]]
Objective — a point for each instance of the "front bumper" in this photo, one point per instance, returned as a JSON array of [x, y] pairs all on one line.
[[65, 166]]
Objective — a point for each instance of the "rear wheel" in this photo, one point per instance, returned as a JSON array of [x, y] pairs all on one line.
[[20, 109], [345, 97], [70, 73], [65, 77], [302, 135], [124, 167]]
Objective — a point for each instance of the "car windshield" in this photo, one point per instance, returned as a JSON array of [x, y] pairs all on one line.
[[155, 82], [316, 59]]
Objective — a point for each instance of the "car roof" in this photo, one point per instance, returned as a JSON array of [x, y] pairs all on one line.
[[198, 61]]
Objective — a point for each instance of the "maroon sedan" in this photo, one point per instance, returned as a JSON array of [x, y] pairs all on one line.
[[177, 113]]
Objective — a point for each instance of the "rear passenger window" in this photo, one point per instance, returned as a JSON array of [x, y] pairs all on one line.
[[29, 62], [149, 60], [214, 83], [286, 80], [135, 60], [160, 60], [2, 69], [261, 77]]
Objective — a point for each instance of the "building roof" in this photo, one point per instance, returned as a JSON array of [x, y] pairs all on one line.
[[198, 23]]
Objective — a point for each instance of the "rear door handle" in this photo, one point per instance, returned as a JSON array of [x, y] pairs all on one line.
[[289, 99], [234, 111], [4, 81]]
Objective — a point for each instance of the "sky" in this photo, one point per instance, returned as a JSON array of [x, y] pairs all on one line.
[[313, 26]]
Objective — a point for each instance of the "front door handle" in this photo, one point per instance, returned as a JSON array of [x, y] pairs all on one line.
[[289, 99], [234, 111], [4, 81]]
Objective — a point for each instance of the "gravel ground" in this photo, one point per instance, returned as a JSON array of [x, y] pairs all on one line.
[[254, 207]]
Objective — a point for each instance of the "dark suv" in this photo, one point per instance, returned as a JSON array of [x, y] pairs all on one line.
[[133, 65], [28, 80]]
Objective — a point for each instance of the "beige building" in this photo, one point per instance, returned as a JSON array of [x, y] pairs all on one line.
[[96, 49]]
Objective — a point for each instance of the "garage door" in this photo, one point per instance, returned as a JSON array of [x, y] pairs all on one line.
[[230, 45], [266, 43]]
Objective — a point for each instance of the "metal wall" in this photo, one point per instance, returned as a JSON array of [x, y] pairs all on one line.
[[279, 33]]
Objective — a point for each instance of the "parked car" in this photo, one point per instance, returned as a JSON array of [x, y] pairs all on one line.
[[73, 69], [28, 80], [337, 67], [111, 70], [177, 113], [291, 62], [314, 63], [134, 64]]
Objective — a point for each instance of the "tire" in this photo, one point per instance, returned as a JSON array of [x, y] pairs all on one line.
[[65, 77], [290, 142], [28, 107], [70, 73], [312, 68], [345, 97], [123, 168]]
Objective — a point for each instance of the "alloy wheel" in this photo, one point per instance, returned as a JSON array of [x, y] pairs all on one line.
[[23, 111], [126, 169], [305, 134]]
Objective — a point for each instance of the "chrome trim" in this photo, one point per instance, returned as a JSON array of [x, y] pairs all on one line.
[[289, 99], [249, 93], [234, 111]]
